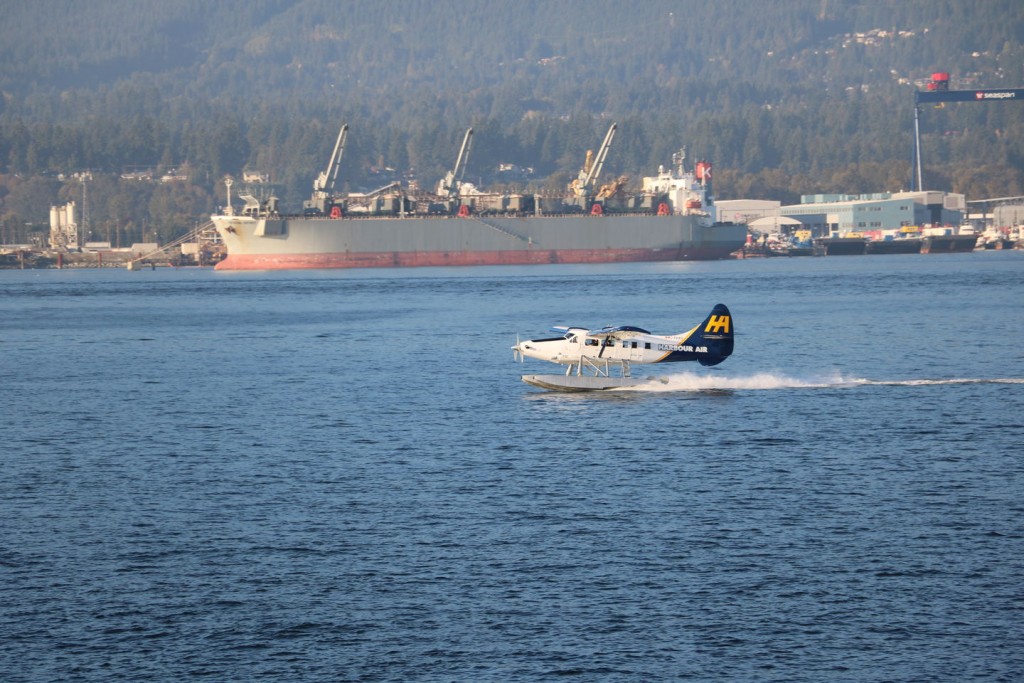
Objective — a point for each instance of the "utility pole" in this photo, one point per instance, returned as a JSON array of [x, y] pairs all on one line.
[[83, 234]]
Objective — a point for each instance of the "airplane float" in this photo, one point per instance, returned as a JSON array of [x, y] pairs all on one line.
[[591, 356]]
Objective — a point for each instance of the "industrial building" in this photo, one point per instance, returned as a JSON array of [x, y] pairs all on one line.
[[836, 214], [746, 210], [827, 215], [1008, 215]]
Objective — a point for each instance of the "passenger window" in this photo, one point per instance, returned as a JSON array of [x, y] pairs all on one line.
[[647, 345]]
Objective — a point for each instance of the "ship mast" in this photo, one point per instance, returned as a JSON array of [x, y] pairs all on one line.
[[228, 210]]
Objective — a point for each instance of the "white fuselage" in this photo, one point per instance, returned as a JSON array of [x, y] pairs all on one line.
[[578, 344]]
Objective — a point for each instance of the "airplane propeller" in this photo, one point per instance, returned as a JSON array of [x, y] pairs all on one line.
[[517, 351]]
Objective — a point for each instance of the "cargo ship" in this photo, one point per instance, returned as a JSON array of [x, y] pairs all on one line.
[[671, 218]]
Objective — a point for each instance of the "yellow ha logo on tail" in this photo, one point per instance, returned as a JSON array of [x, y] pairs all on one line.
[[717, 324]]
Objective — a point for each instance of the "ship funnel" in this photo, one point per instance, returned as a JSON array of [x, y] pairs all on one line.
[[703, 172]]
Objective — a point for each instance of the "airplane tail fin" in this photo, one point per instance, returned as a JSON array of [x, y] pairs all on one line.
[[715, 334]]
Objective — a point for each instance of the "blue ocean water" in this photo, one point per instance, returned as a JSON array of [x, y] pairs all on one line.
[[338, 475]]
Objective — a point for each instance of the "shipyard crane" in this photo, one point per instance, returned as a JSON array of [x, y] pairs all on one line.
[[320, 186], [323, 186], [591, 171], [938, 91], [452, 182]]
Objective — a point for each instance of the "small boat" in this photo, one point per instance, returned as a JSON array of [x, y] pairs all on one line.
[[996, 238], [906, 240]]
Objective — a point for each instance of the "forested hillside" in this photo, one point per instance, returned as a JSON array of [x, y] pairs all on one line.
[[785, 97]]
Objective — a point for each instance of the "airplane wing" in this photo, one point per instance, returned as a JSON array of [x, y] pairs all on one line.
[[621, 332]]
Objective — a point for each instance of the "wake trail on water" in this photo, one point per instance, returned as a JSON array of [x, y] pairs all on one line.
[[762, 381]]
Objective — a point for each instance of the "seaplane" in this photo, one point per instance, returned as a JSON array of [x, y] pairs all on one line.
[[601, 359]]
